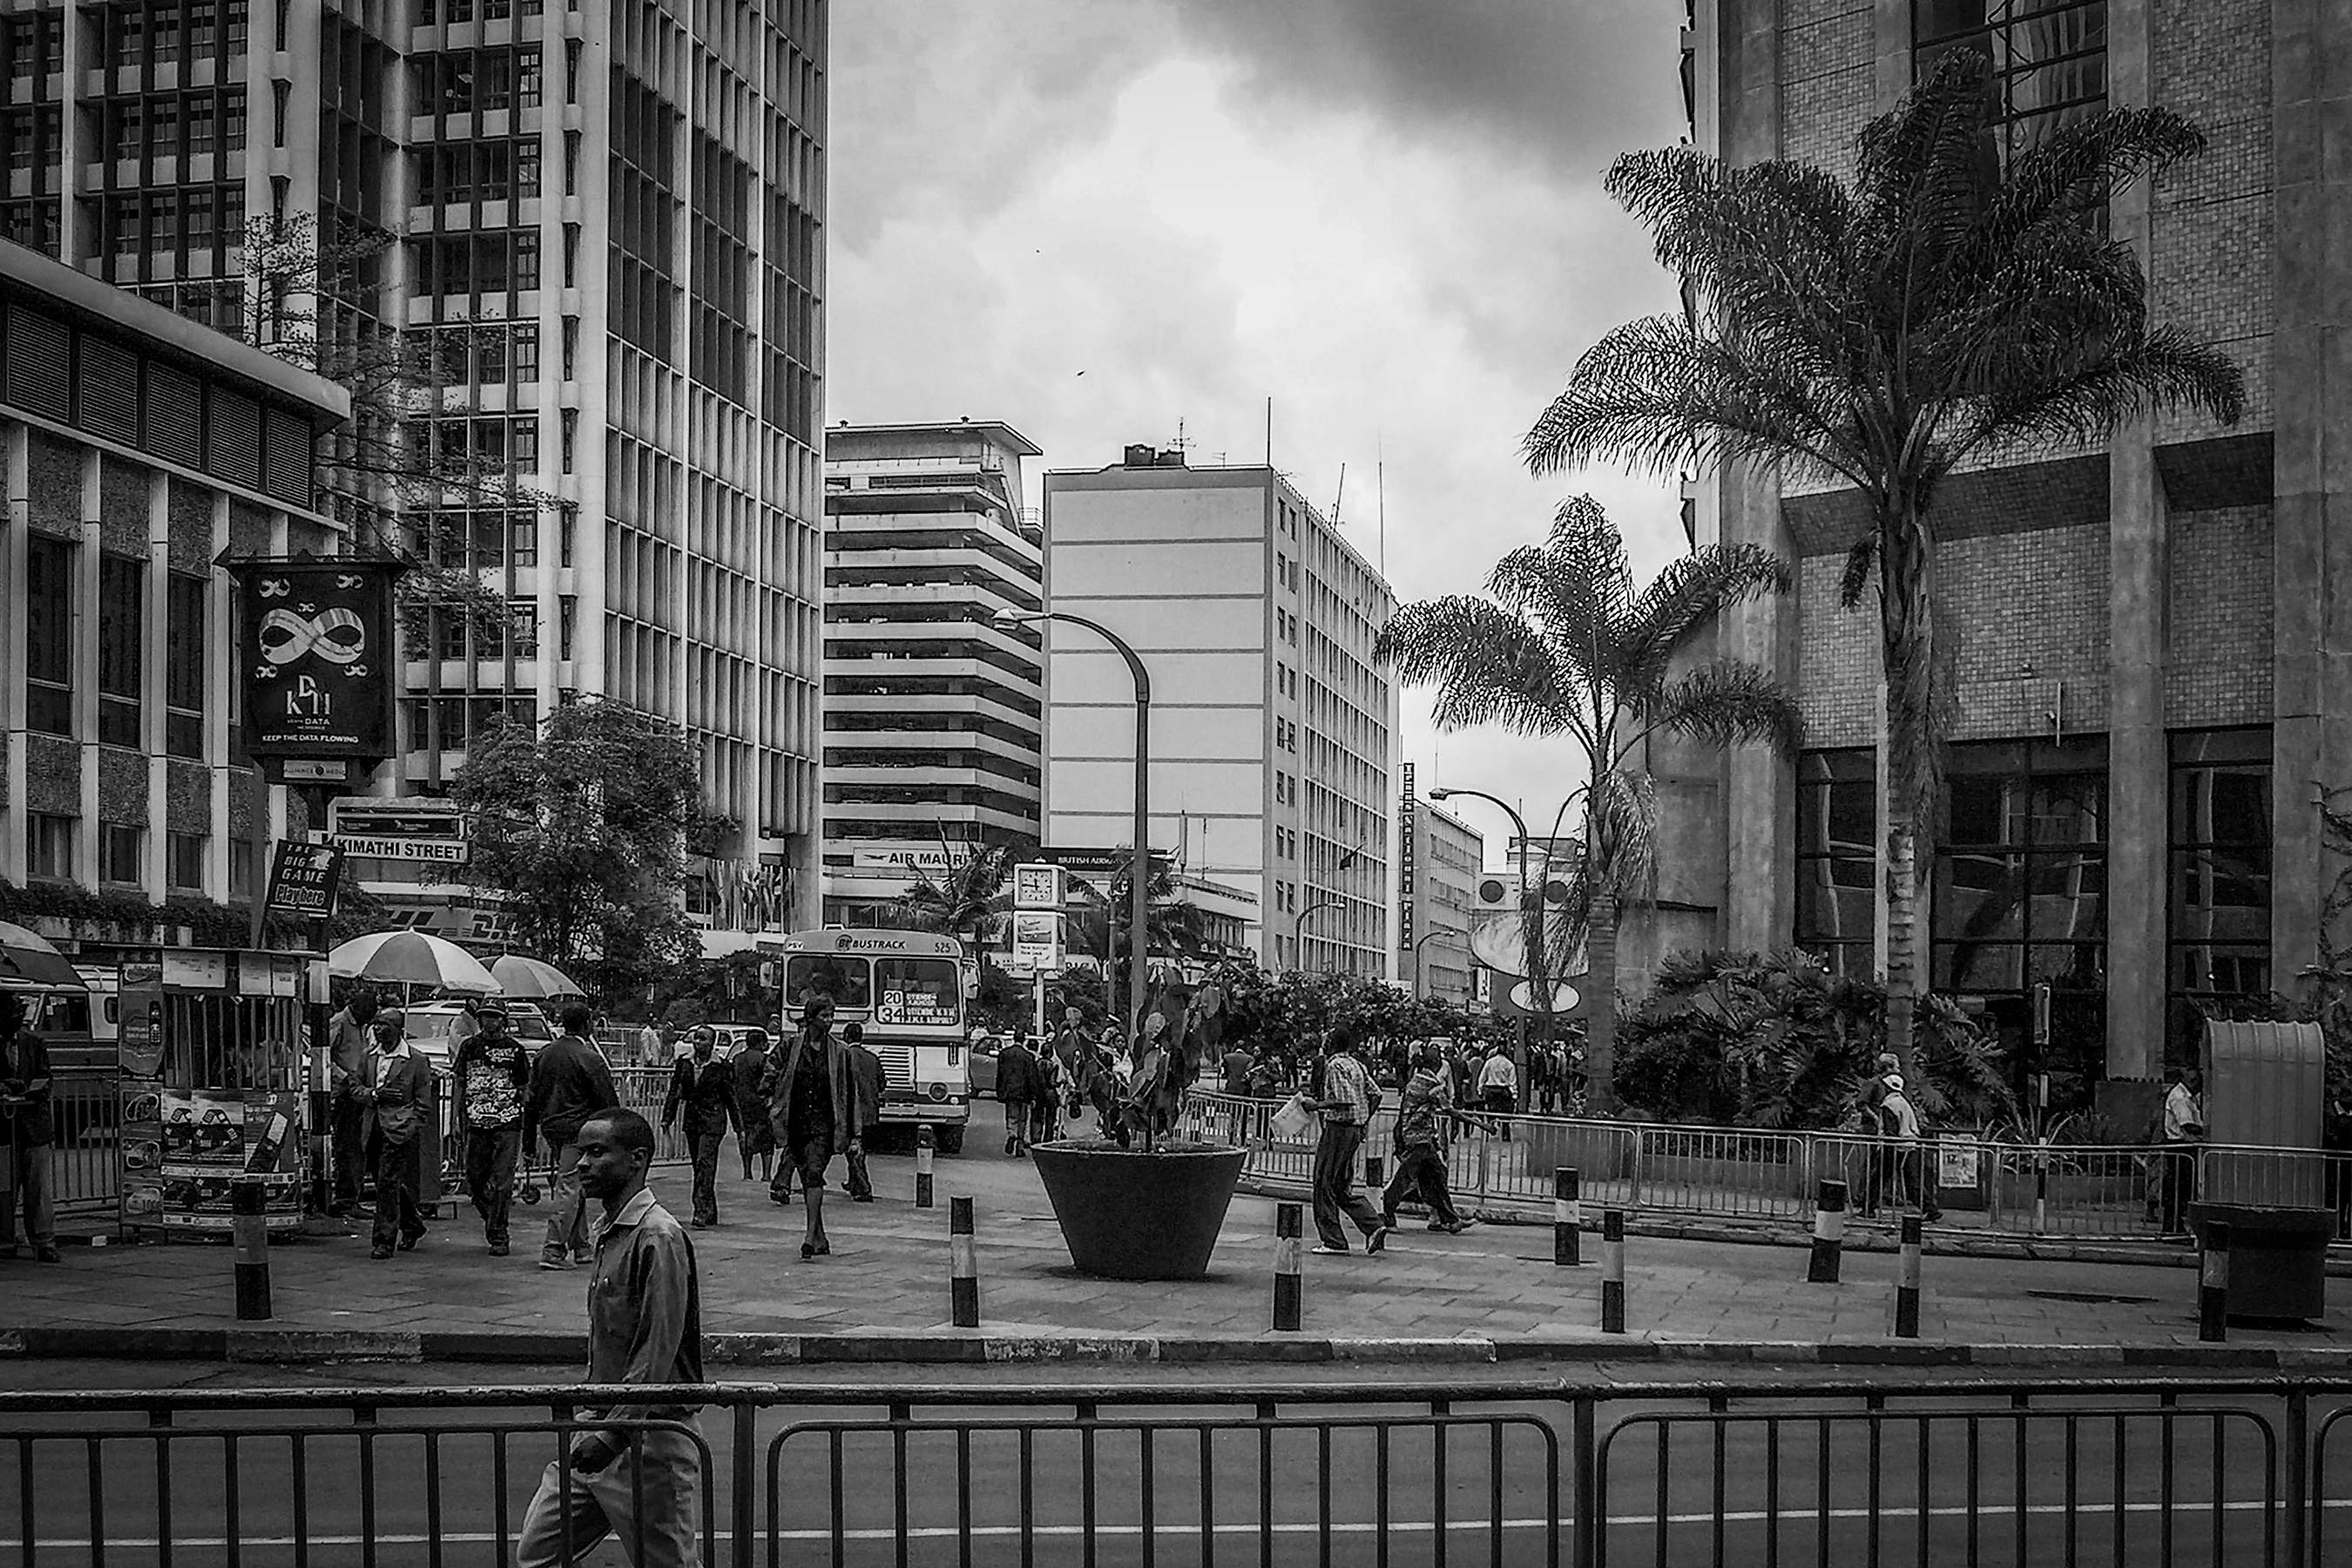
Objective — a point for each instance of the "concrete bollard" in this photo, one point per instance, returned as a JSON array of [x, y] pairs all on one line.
[[1829, 1233], [2213, 1284], [1613, 1271], [1567, 1218], [925, 1143], [963, 1266], [249, 1230], [1906, 1281], [1375, 1171], [1289, 1254]]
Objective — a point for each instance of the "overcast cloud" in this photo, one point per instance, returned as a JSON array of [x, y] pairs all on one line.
[[1095, 218]]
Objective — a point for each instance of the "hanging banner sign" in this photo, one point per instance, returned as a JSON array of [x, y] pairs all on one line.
[[1408, 828], [317, 653]]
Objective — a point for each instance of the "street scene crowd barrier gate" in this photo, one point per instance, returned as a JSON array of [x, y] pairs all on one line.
[[2124, 1472]]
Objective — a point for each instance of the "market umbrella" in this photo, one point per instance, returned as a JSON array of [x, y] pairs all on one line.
[[411, 958], [28, 963], [529, 979]]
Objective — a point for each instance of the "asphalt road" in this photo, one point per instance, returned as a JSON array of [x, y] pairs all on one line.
[[1792, 1490]]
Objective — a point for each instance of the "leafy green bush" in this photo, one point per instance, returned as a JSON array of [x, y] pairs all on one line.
[[1749, 1040]]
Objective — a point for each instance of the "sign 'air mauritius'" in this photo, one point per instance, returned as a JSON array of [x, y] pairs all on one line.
[[317, 656]]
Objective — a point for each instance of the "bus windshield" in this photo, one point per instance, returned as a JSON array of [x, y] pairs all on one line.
[[848, 980], [927, 992]]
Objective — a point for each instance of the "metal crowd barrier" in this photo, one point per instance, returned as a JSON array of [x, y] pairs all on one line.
[[2163, 1472], [2094, 1192]]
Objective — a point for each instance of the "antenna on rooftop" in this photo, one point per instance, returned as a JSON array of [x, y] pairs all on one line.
[[1340, 498], [1381, 505]]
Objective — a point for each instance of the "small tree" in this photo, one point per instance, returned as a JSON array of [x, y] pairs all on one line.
[[1944, 308], [580, 824], [1564, 643]]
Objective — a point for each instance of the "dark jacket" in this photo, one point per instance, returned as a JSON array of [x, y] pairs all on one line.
[[849, 1111], [707, 1090], [398, 1090], [26, 1060], [748, 1075], [869, 1069], [1019, 1076], [569, 1084]]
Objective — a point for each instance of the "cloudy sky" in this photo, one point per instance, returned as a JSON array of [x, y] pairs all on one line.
[[1094, 219]]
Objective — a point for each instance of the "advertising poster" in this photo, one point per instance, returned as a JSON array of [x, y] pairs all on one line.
[[315, 651], [141, 1040], [203, 1142]]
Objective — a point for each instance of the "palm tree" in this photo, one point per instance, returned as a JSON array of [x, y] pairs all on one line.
[[968, 899], [1564, 643], [1943, 308]]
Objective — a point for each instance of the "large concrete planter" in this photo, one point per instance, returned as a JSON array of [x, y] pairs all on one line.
[[1126, 1215]]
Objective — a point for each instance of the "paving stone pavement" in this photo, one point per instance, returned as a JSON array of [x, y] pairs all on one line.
[[888, 1274]]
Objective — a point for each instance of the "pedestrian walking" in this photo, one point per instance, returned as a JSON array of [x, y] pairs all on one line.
[[747, 1071], [640, 1482], [570, 1082], [1021, 1085], [1346, 1101], [396, 1089], [1424, 1128], [1905, 1162], [814, 1106], [2183, 1129], [1499, 1088], [26, 1134], [702, 1086], [866, 1068], [347, 1054], [489, 1076], [1235, 1069]]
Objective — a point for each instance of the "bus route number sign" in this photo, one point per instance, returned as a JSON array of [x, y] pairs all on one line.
[[911, 1007]]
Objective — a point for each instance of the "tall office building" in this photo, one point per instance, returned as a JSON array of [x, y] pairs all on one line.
[[603, 220], [1273, 735], [1438, 882], [2150, 706], [933, 715]]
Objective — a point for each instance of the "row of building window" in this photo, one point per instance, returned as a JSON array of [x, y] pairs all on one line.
[[469, 81], [432, 13], [170, 125], [52, 845], [121, 677]]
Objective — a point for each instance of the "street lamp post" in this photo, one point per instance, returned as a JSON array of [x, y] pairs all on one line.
[[1419, 986], [1297, 951], [1533, 929], [1139, 877]]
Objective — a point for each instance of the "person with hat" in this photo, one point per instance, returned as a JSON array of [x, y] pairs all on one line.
[[490, 1074], [396, 1087]]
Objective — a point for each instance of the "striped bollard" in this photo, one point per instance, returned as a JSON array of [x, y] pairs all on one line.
[[1829, 1233], [2213, 1284], [1613, 1271], [1906, 1281], [250, 1232], [1375, 1171], [1567, 1217], [963, 1265], [924, 1143], [1290, 1249]]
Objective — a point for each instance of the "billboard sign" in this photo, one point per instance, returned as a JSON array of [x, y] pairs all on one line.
[[1036, 942], [318, 656], [303, 878]]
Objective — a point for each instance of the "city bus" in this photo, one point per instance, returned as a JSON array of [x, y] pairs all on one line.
[[907, 988]]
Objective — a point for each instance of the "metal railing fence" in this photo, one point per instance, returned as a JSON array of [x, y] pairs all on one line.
[[2170, 1472], [2094, 1191]]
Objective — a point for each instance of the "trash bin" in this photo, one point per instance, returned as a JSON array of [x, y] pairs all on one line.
[[2278, 1257]]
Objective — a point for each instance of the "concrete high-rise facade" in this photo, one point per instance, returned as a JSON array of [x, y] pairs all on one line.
[[1440, 877], [1272, 733], [933, 715], [2153, 709], [601, 221]]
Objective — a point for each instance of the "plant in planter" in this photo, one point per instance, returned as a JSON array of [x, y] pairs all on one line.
[[1143, 1203]]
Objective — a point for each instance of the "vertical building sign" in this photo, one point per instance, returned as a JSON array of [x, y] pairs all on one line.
[[1405, 849], [316, 656]]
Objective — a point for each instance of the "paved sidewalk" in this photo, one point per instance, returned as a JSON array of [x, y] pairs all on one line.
[[889, 1277]]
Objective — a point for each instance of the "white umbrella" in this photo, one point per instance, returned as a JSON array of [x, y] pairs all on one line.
[[529, 978], [411, 958], [28, 961]]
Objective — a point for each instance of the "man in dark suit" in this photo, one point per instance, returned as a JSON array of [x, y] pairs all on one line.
[[396, 1090], [817, 1111], [866, 1068], [1022, 1085], [705, 1087]]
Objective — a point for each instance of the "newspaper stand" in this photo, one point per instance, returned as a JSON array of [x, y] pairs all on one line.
[[213, 1086]]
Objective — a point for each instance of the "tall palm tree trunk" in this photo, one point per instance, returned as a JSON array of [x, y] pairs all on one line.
[[1914, 780], [1601, 1011]]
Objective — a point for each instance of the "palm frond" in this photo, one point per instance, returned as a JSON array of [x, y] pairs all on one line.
[[1687, 595], [1620, 833], [1860, 570], [2166, 370], [1730, 702], [1489, 666]]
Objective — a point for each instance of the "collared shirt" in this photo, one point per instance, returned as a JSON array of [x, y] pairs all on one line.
[[347, 1046], [2182, 1111], [644, 1304], [1344, 1079], [1498, 1073]]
